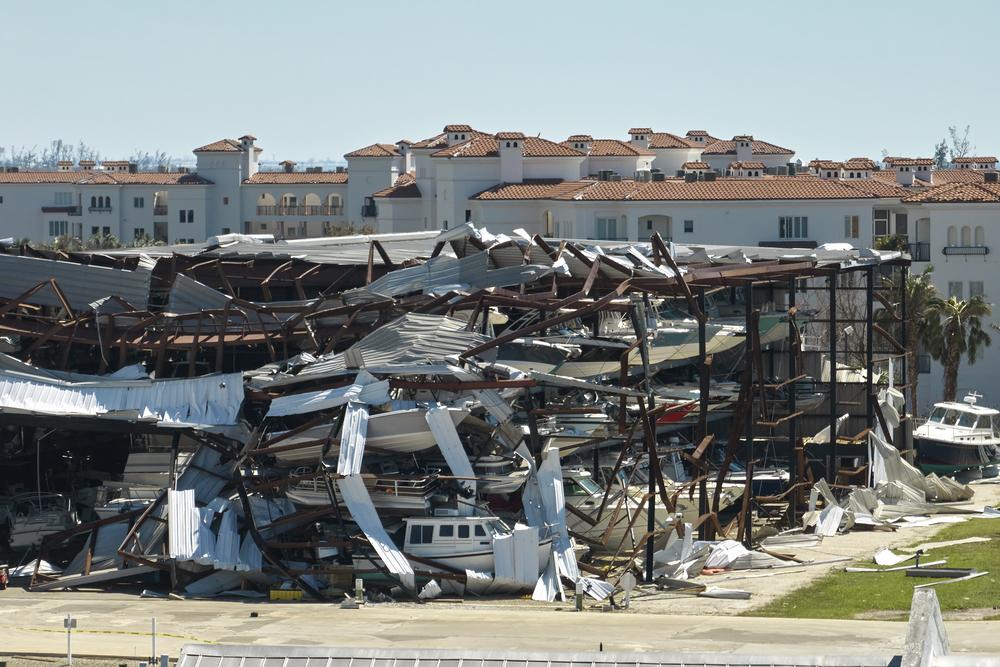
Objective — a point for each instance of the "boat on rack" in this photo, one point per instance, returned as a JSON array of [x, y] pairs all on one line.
[[391, 494], [36, 515], [958, 436]]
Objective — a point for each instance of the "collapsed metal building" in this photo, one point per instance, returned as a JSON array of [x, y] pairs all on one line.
[[489, 413]]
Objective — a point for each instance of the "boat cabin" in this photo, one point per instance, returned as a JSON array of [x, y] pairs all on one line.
[[965, 417], [447, 535]]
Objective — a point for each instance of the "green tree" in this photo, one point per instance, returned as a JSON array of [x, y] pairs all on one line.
[[960, 332], [922, 322], [941, 154]]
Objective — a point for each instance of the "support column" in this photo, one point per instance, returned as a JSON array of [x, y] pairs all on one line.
[[869, 345], [831, 459], [793, 371], [703, 397], [904, 276]]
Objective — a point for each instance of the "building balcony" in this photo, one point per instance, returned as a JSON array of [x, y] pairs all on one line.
[[159, 210], [919, 252], [99, 209], [369, 211], [300, 210], [965, 250], [68, 210]]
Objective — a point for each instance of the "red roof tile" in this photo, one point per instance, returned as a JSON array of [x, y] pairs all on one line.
[[579, 137], [758, 148], [747, 165], [908, 161], [376, 150], [955, 193], [941, 176], [405, 187], [973, 160], [612, 148], [532, 189], [861, 163], [696, 165], [487, 146], [510, 135], [104, 178], [220, 146], [640, 130], [458, 128], [667, 140]]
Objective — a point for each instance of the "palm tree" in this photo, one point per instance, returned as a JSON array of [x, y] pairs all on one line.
[[960, 332], [921, 322]]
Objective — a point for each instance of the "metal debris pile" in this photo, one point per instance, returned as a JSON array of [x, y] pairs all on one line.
[[461, 413]]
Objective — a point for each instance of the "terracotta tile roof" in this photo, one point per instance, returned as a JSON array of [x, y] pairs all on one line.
[[115, 163], [747, 165], [889, 176], [104, 178], [612, 148], [532, 189], [727, 189], [288, 162], [405, 187], [709, 139], [824, 164], [510, 135], [579, 137], [458, 128], [667, 140], [441, 140], [640, 130], [941, 176], [958, 193], [862, 163], [87, 163], [758, 148], [487, 146], [375, 150], [878, 188], [696, 165], [297, 178], [908, 161], [65, 163], [971, 160], [220, 146]]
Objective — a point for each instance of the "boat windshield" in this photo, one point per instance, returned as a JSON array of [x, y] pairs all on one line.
[[497, 527]]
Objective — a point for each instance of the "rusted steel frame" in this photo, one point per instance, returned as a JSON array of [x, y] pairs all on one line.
[[682, 282], [220, 346], [899, 349], [225, 281], [654, 459], [281, 482], [58, 327], [347, 309], [544, 324], [17, 301], [262, 544], [395, 383], [745, 396], [370, 274], [886, 431], [389, 265], [193, 352], [543, 244], [61, 296], [68, 346], [623, 381], [131, 536], [332, 343], [315, 421], [762, 270], [265, 285], [474, 317], [618, 465], [743, 526], [105, 341]]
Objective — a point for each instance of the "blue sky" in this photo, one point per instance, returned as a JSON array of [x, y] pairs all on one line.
[[317, 79]]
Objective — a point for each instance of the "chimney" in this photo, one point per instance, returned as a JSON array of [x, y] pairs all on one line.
[[904, 173], [249, 157], [511, 148], [744, 147], [64, 165], [640, 137], [87, 165], [990, 177], [341, 170], [457, 134], [287, 165], [581, 142]]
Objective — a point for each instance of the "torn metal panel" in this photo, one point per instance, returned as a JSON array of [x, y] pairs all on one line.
[[359, 503], [352, 439], [550, 485], [207, 400], [82, 284], [364, 390], [443, 427]]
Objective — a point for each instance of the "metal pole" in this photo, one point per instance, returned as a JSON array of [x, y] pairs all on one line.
[[69, 638], [904, 276], [748, 359], [792, 372], [831, 459], [152, 659], [703, 384], [638, 315], [869, 345]]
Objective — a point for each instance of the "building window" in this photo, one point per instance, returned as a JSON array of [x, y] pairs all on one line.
[[106, 231], [58, 228], [976, 288], [923, 363], [688, 226], [881, 218], [93, 202], [263, 226], [225, 230], [138, 202], [852, 226], [966, 235], [187, 215], [952, 235], [138, 233], [94, 230], [1, 199], [468, 215], [445, 224], [64, 199], [980, 236], [183, 215], [225, 201], [190, 215], [793, 227], [955, 289], [902, 224], [606, 229]]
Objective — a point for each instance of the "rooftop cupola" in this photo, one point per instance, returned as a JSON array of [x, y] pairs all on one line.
[[287, 165], [511, 148], [457, 134], [640, 136], [580, 142], [744, 147]]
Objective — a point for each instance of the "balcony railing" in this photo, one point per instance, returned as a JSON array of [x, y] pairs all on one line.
[[966, 250], [369, 211], [300, 210], [159, 210], [919, 252], [59, 208], [99, 209]]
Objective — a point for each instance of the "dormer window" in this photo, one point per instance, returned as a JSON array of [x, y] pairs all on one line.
[[515, 144], [508, 144]]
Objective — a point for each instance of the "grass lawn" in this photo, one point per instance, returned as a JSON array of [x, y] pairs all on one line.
[[846, 595]]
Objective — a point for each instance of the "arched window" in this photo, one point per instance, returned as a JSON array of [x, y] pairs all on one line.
[[980, 236], [966, 235], [93, 202], [952, 235]]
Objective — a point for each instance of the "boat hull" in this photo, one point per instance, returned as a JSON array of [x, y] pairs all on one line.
[[940, 456]]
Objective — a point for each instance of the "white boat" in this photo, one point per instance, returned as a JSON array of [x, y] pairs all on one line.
[[37, 515], [392, 495], [398, 432], [455, 542], [958, 436], [499, 475]]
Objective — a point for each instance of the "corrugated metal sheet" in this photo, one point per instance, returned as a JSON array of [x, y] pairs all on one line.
[[446, 435], [188, 296], [364, 390], [352, 439], [441, 273], [359, 503], [410, 339], [82, 284], [209, 400]]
